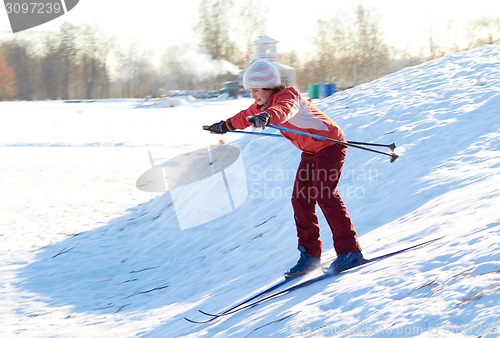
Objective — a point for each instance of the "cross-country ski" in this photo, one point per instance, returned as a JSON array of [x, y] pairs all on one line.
[[328, 273]]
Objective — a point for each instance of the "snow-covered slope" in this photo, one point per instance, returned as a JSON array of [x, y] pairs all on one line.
[[135, 273]]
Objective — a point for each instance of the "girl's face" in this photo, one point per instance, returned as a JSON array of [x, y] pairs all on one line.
[[261, 96]]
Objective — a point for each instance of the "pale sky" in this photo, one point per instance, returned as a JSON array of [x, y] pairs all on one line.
[[155, 24]]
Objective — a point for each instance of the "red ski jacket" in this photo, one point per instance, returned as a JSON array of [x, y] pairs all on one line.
[[288, 108]]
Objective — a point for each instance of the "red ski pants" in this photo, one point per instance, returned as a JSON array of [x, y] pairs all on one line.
[[316, 182]]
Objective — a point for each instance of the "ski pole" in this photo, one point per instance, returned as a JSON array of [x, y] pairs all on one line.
[[391, 146], [392, 156]]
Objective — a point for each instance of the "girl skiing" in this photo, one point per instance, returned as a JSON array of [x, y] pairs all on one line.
[[319, 170]]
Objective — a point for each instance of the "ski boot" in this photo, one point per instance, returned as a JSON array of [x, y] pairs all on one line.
[[305, 264], [345, 260]]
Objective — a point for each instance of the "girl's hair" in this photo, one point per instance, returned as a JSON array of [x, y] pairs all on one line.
[[277, 89]]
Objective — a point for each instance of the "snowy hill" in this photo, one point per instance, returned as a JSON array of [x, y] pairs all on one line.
[[85, 254]]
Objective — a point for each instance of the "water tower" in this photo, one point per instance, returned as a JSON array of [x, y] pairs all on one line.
[[266, 48]]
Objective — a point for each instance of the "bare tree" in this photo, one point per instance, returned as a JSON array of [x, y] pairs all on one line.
[[350, 51], [19, 54], [94, 51], [7, 89], [371, 51], [251, 22], [214, 29], [175, 72], [51, 79], [333, 43], [135, 72], [483, 31], [66, 59]]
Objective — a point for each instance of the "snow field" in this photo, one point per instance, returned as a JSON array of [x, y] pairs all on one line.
[[84, 253]]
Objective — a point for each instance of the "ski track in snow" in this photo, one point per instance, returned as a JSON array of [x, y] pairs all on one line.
[[86, 254]]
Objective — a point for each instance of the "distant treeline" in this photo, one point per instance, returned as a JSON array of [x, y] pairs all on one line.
[[81, 62]]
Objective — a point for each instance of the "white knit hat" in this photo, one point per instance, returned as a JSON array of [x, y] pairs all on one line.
[[261, 74]]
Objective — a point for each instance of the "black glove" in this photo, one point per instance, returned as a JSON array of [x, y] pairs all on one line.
[[217, 128], [259, 121]]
